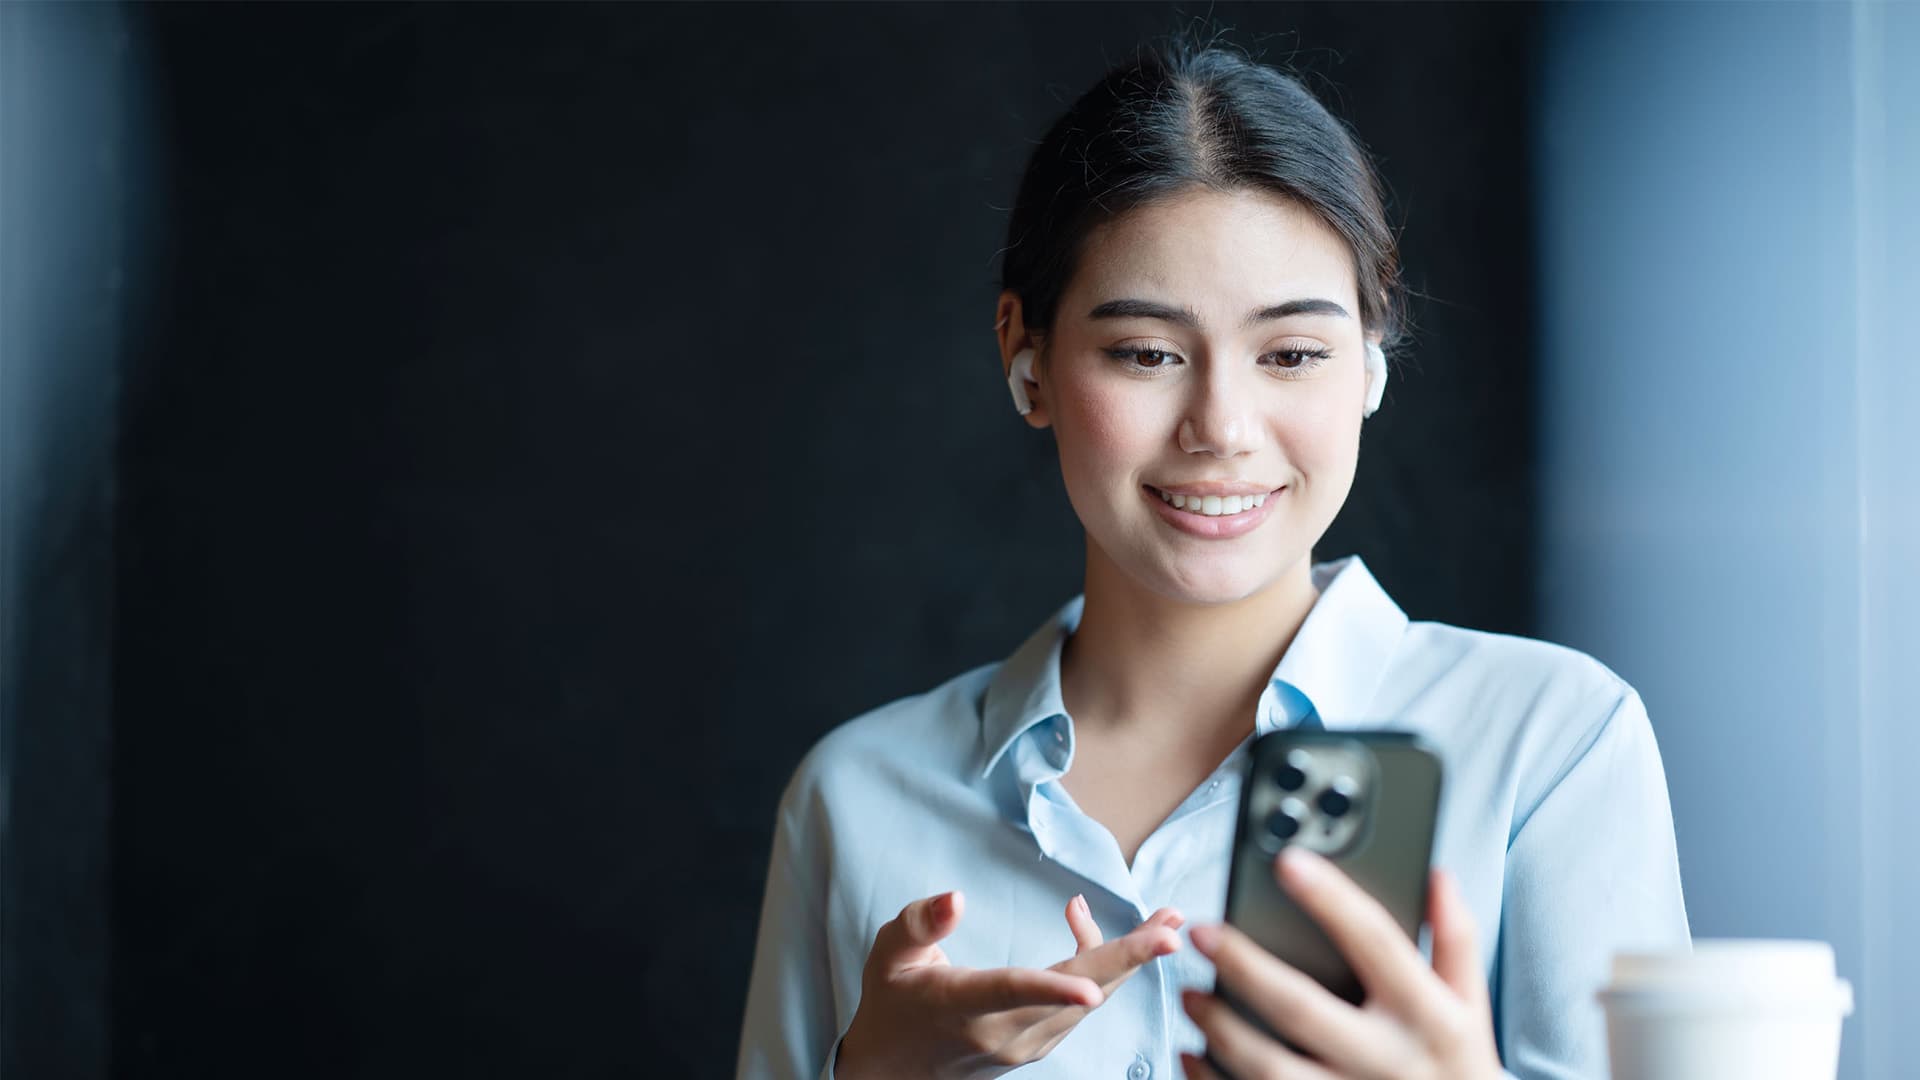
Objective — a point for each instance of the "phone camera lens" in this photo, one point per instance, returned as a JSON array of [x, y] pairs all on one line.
[[1292, 774], [1282, 824], [1333, 803]]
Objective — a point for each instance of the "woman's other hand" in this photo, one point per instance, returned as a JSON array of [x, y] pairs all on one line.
[[1418, 1023], [921, 1017]]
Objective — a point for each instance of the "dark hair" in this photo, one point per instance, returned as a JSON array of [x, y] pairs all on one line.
[[1186, 114]]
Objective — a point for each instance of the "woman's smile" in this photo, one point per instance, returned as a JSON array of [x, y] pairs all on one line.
[[1210, 516]]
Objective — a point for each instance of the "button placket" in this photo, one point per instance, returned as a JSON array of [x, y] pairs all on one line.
[[1040, 821]]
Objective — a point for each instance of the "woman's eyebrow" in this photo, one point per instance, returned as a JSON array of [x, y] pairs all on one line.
[[1185, 316]]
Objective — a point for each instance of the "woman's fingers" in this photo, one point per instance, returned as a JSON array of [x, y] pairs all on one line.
[[1086, 933], [1387, 962], [1108, 964], [1167, 917], [1111, 962], [1046, 1009], [907, 940], [1292, 1003], [1002, 989], [1116, 961], [1241, 1048], [1456, 949]]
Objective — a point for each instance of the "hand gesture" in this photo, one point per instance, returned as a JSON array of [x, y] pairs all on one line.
[[921, 1017]]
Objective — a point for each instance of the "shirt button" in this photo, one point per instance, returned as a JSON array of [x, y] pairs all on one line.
[[1213, 784], [1139, 1070]]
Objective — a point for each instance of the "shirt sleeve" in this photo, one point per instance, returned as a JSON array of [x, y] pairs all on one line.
[[1591, 870], [789, 1031]]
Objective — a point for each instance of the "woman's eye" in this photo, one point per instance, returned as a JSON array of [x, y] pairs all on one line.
[[1141, 358], [1292, 360], [1300, 359]]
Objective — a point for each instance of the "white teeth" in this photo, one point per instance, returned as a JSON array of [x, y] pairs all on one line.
[[1214, 505]]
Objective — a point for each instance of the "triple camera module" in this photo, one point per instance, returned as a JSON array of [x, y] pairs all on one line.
[[1314, 798]]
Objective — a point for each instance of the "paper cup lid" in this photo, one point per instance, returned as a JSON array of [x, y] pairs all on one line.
[[1735, 973], [1722, 962]]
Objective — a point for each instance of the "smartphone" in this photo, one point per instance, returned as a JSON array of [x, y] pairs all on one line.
[[1368, 801]]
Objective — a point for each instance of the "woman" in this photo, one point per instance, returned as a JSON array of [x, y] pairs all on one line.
[[1198, 281]]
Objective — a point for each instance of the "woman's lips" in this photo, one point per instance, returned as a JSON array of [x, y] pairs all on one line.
[[1223, 527]]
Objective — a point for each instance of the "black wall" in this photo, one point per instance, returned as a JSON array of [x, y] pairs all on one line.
[[546, 422]]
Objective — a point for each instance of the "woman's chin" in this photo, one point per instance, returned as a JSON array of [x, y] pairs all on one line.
[[1183, 575], [1211, 585]]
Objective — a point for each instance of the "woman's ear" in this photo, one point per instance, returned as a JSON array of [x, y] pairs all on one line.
[[1018, 357]]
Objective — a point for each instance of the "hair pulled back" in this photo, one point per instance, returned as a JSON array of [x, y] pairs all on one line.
[[1184, 115]]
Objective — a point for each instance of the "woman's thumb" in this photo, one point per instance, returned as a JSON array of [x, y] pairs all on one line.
[[933, 918], [902, 941]]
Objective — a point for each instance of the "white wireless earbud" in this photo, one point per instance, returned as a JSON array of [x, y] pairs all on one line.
[[1376, 378], [1018, 376]]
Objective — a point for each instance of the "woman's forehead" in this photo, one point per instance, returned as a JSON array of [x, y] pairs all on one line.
[[1217, 260]]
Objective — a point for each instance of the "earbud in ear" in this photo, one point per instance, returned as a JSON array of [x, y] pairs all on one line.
[[1376, 378], [1019, 374]]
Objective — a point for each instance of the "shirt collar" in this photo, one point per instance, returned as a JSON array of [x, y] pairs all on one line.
[[1333, 665]]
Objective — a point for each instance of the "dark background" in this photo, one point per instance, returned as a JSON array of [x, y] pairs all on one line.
[[533, 427]]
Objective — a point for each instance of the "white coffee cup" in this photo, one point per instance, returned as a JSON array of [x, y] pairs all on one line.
[[1730, 1009]]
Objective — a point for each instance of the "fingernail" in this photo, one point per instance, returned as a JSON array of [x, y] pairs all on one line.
[[943, 906], [1080, 903], [1206, 939], [1302, 866]]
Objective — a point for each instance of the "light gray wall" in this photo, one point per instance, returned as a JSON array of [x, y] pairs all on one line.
[[1726, 240], [1887, 256]]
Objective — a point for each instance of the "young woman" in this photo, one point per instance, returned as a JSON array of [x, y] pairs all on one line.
[[992, 874]]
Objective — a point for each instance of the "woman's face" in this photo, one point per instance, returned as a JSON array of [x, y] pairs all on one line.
[[1207, 346]]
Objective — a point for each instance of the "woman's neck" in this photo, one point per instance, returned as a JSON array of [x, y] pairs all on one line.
[[1143, 666]]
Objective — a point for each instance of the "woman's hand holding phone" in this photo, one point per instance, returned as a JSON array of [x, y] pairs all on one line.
[[920, 1016], [1433, 1023]]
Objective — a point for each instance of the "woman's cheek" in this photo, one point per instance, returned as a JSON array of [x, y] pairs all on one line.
[[1116, 425], [1318, 434]]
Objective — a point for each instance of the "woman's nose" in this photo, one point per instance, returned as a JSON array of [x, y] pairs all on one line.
[[1218, 424]]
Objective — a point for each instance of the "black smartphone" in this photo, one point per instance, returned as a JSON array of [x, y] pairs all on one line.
[[1368, 801]]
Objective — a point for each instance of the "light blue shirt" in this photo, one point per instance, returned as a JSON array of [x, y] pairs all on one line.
[[1554, 817]]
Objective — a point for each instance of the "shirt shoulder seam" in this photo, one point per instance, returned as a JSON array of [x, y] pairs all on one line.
[[1578, 753]]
